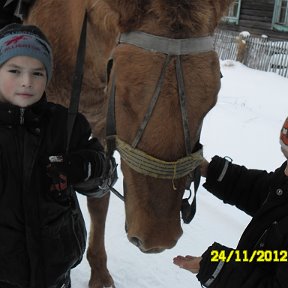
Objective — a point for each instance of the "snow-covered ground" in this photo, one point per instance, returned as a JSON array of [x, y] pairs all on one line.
[[245, 125]]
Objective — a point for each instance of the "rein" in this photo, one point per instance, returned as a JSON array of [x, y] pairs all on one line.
[[77, 82]]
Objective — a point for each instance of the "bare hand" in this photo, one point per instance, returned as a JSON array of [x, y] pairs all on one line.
[[190, 263], [204, 167]]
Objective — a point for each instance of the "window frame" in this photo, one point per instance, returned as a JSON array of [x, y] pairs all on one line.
[[276, 15], [229, 17]]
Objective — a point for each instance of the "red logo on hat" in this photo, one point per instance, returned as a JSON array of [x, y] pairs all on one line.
[[15, 39]]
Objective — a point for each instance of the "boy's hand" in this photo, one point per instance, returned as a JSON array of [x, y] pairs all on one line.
[[56, 171], [111, 176], [190, 263], [72, 166]]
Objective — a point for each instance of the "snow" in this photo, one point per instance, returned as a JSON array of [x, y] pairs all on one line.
[[245, 34], [244, 125]]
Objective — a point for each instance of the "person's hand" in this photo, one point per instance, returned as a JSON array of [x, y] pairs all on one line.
[[111, 176], [190, 263], [204, 167], [72, 166], [57, 172]]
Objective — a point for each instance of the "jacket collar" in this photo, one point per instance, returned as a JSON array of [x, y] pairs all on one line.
[[32, 116]]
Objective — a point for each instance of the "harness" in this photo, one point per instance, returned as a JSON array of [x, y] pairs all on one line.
[[138, 160]]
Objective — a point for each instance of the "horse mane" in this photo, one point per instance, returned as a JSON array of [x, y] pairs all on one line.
[[179, 17]]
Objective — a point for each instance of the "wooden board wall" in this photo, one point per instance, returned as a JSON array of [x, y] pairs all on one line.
[[256, 18]]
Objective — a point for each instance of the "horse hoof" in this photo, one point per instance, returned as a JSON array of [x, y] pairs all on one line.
[[101, 284], [97, 286]]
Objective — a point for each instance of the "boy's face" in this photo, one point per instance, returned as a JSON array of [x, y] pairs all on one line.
[[22, 81], [284, 138]]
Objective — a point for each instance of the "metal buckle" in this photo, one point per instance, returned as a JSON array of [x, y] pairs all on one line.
[[57, 159]]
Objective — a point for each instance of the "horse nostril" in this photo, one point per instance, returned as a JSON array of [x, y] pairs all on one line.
[[135, 241]]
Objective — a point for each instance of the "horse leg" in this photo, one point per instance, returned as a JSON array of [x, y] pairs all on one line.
[[96, 253]]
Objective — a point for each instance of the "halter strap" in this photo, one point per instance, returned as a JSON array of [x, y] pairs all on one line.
[[152, 103], [168, 45]]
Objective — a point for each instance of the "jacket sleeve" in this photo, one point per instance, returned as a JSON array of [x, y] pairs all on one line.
[[236, 185], [90, 157], [218, 272], [2, 177]]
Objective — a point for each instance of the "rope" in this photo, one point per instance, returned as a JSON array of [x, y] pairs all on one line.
[[151, 166]]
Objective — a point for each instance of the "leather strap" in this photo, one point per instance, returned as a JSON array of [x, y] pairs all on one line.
[[168, 45], [77, 82]]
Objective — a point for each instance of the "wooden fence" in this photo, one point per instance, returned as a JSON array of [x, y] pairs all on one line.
[[255, 52]]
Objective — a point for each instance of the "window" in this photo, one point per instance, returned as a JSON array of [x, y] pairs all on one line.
[[233, 13], [280, 17]]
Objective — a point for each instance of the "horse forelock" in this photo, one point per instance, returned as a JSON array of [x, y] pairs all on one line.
[[178, 17], [183, 16]]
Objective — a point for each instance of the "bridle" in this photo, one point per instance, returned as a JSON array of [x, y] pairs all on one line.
[[136, 159], [139, 160], [170, 47]]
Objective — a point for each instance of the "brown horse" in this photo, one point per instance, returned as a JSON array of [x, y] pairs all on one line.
[[164, 83]]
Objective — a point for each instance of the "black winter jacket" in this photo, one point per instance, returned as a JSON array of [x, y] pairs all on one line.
[[42, 233], [260, 259]]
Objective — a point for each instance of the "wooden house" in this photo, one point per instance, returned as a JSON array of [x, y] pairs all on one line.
[[258, 17]]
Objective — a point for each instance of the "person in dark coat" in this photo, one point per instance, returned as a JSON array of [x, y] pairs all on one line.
[[260, 259], [42, 231]]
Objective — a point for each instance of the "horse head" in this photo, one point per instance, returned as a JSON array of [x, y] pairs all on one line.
[[164, 79]]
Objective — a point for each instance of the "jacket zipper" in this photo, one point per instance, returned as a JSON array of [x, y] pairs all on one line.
[[22, 110]]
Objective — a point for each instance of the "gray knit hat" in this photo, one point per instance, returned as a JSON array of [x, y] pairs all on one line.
[[25, 40]]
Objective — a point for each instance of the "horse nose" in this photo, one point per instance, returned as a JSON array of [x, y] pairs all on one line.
[[151, 246], [137, 242]]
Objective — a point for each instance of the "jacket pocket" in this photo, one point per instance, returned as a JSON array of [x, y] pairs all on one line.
[[64, 243], [271, 239]]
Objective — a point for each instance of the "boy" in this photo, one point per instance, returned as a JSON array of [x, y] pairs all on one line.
[[42, 230], [261, 257]]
